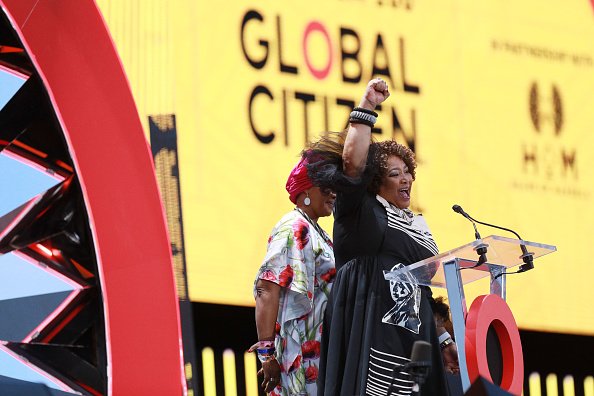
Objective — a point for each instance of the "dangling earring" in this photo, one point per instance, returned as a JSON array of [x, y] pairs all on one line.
[[306, 201]]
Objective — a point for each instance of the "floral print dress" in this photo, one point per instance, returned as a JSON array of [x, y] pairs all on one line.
[[301, 261]]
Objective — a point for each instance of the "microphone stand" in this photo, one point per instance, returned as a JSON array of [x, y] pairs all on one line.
[[417, 370], [418, 367], [527, 257], [481, 249]]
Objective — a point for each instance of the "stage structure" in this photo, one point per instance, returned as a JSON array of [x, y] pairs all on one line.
[[85, 262]]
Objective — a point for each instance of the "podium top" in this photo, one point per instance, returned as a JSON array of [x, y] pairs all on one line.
[[502, 253]]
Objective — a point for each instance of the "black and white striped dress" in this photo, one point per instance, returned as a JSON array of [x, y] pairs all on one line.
[[371, 324]]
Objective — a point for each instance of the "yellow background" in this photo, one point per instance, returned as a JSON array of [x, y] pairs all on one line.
[[475, 64]]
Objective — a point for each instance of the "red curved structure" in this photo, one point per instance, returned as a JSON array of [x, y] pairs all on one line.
[[73, 53], [486, 311]]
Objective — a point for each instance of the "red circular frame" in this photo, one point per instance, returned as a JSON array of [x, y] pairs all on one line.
[[492, 310], [75, 57]]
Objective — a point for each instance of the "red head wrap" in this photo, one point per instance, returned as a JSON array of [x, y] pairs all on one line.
[[298, 180]]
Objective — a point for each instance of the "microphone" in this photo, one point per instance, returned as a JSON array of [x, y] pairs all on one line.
[[527, 257], [418, 367], [481, 249]]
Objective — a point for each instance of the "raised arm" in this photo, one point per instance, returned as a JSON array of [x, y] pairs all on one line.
[[358, 138]]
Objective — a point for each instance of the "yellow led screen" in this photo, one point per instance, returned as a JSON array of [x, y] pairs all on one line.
[[495, 97]]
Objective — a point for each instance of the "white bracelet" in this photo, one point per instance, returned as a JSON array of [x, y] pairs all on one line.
[[444, 337], [356, 114], [446, 343]]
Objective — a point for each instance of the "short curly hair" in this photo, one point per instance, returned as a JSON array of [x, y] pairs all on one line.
[[382, 151]]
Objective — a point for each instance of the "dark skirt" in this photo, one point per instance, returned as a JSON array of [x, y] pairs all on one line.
[[359, 351]]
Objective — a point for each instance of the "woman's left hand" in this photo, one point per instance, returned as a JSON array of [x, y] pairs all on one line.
[[271, 372], [450, 358]]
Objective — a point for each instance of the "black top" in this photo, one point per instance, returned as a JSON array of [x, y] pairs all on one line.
[[366, 225]]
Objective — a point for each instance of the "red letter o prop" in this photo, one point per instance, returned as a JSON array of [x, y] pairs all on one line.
[[492, 310]]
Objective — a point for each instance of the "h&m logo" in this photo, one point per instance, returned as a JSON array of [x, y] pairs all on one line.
[[546, 109], [546, 155]]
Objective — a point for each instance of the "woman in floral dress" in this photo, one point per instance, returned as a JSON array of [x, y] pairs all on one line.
[[292, 288]]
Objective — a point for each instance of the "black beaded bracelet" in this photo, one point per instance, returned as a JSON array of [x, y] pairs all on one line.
[[367, 111], [361, 121]]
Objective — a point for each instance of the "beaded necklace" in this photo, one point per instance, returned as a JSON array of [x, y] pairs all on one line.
[[319, 229]]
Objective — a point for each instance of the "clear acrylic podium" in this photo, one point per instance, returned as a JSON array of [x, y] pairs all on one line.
[[453, 269]]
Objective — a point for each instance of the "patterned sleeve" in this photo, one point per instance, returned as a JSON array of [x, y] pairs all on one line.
[[289, 262]]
